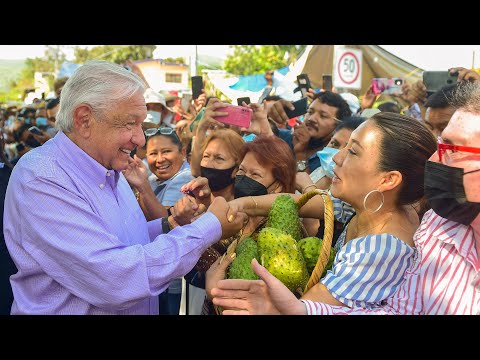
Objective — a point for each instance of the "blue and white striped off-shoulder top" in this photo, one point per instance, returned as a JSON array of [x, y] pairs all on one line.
[[367, 270]]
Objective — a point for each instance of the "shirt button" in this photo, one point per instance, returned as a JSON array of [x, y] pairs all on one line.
[[102, 186], [108, 173]]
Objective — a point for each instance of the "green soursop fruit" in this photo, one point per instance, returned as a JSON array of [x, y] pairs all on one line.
[[310, 248], [280, 254], [241, 266], [283, 215]]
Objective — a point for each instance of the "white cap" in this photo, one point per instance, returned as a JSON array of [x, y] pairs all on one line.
[[352, 102], [153, 97]]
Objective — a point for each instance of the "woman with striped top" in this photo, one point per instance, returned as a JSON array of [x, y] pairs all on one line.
[[380, 174]]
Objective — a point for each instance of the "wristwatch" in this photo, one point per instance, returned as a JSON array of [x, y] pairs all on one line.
[[301, 165], [165, 225]]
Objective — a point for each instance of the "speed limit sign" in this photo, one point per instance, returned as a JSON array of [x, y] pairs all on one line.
[[347, 68]]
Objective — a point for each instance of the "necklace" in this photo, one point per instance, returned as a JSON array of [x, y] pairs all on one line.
[[357, 233]]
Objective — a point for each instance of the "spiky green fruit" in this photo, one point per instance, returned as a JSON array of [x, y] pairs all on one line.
[[283, 215], [241, 266], [310, 248], [280, 254]]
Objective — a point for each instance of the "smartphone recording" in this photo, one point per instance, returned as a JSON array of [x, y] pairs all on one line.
[[240, 116], [197, 86], [301, 108], [435, 80], [387, 86]]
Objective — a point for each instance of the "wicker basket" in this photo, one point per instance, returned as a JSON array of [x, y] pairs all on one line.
[[327, 238], [327, 235]]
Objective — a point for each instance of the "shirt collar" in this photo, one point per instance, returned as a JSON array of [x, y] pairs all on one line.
[[84, 162], [451, 232]]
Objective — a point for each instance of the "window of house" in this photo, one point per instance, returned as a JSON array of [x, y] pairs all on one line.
[[173, 78]]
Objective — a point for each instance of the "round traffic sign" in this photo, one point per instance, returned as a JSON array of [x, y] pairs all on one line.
[[348, 67]]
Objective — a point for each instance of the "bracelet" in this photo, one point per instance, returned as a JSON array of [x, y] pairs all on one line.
[[306, 187], [256, 204]]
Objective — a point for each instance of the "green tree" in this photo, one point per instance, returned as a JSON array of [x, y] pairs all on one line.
[[114, 53], [255, 59], [178, 60], [49, 63]]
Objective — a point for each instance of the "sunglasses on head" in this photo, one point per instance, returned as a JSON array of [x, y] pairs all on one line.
[[161, 130]]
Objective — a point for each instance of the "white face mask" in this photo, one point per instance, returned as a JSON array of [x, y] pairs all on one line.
[[154, 117]]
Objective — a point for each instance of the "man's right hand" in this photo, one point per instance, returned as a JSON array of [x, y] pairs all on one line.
[[136, 173], [220, 208], [277, 111]]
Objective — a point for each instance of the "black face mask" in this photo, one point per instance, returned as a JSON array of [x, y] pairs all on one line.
[[32, 142], [246, 186], [218, 179], [446, 194]]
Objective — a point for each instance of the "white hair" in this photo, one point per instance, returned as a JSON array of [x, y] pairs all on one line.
[[99, 84]]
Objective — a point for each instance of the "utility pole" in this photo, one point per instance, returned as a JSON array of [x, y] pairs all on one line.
[[193, 62]]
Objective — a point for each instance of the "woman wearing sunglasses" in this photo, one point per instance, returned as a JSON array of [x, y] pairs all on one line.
[[161, 190]]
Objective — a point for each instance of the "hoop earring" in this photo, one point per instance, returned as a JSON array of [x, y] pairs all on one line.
[[365, 201]]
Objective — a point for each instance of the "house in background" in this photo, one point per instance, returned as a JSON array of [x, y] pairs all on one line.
[[163, 75]]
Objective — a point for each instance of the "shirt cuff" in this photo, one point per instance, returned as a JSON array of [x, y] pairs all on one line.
[[209, 226], [154, 228], [316, 308]]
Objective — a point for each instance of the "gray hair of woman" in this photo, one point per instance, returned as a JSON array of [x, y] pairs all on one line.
[[99, 84]]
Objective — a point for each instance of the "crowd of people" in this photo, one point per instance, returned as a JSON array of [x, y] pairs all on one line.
[[116, 199]]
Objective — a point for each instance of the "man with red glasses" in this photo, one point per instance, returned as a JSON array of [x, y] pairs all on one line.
[[445, 275]]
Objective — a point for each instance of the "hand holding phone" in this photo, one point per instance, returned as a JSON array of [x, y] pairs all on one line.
[[303, 84], [240, 116], [35, 130], [197, 86], [301, 108], [242, 100], [387, 86], [435, 80]]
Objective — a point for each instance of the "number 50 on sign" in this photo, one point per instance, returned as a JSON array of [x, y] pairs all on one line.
[[347, 68]]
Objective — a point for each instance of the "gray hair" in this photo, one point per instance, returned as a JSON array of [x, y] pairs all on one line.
[[99, 84], [466, 97]]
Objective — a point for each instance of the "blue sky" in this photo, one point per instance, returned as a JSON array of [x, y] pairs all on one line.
[[431, 57]]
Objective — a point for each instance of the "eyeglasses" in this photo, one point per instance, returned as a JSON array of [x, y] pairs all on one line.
[[161, 130], [451, 152]]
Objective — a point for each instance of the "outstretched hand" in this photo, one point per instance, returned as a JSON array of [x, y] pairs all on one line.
[[267, 296]]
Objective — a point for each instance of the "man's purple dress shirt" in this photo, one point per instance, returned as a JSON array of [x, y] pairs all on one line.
[[81, 242]]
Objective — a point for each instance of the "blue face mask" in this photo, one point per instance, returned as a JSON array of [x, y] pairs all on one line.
[[153, 116], [41, 121], [325, 155], [250, 137]]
